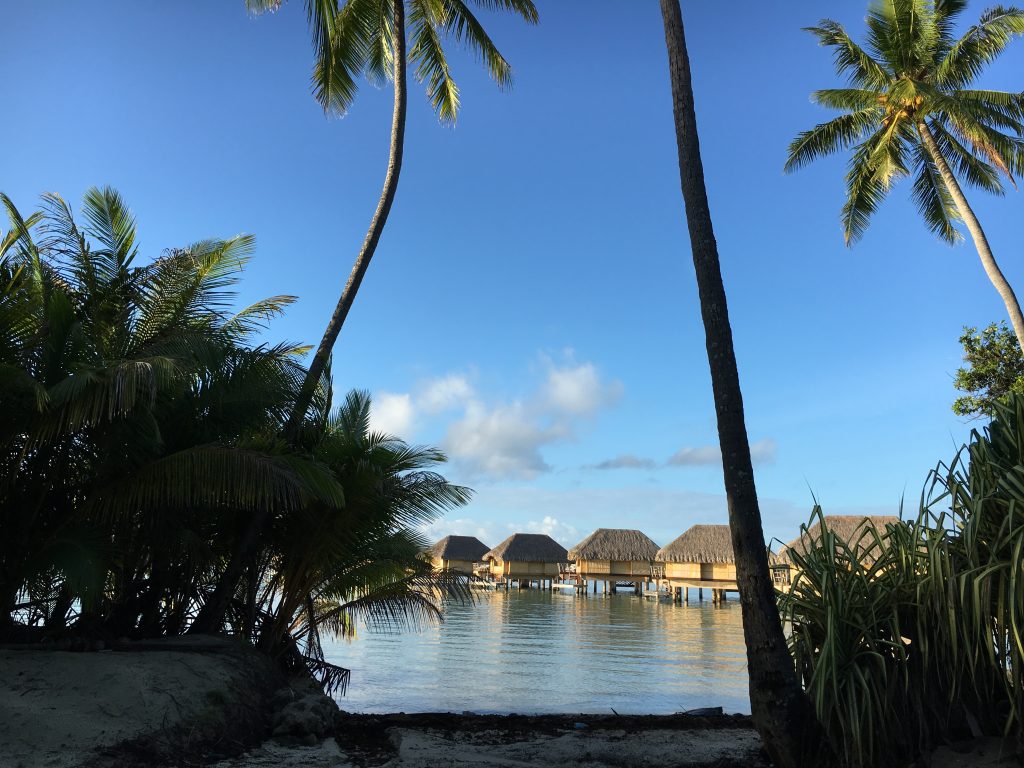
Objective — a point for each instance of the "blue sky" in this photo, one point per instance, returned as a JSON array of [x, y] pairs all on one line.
[[532, 307]]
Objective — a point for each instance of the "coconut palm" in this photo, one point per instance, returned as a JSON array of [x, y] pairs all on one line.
[[337, 567], [352, 38], [133, 408], [910, 109], [139, 433], [368, 37], [782, 713]]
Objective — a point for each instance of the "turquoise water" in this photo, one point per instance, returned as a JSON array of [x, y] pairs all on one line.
[[534, 651]]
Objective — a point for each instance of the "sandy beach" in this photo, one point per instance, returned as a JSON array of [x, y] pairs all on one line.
[[203, 702]]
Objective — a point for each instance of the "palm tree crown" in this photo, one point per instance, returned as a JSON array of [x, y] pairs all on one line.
[[356, 37], [909, 84]]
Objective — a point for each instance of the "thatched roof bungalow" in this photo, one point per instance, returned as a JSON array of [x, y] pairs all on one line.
[[702, 554], [457, 553], [527, 556], [852, 530], [615, 554]]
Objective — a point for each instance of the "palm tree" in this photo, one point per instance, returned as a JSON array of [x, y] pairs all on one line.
[[909, 110], [356, 37], [369, 37], [335, 568], [134, 409], [782, 713], [139, 433]]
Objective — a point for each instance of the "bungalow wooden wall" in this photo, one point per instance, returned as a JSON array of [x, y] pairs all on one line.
[[518, 570], [701, 571], [462, 566], [617, 567]]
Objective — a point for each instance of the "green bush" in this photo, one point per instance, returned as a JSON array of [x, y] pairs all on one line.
[[141, 431], [912, 635]]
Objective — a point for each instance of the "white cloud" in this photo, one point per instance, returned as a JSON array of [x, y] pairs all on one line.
[[578, 390], [565, 534], [695, 457], [392, 413], [764, 451], [505, 440], [625, 461], [761, 452], [445, 393], [461, 526]]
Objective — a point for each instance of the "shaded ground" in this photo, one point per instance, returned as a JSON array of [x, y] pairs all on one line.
[[196, 701], [189, 699], [514, 741]]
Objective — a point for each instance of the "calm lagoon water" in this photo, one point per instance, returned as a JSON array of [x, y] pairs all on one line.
[[535, 651]]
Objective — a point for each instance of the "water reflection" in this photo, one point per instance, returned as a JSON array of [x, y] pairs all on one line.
[[535, 651]]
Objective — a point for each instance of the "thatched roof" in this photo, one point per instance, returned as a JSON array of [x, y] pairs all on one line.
[[700, 544], [848, 528], [529, 548], [459, 548], [615, 544]]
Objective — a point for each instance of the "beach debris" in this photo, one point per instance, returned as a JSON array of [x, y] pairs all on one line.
[[703, 712], [302, 713]]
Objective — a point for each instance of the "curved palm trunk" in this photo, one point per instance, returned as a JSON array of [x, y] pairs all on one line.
[[211, 616], [782, 713], [988, 261], [380, 217]]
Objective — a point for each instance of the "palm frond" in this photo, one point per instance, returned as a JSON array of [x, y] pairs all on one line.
[[343, 48], [979, 46], [933, 199], [864, 190], [113, 226], [465, 28], [430, 63], [972, 169], [825, 138], [849, 58]]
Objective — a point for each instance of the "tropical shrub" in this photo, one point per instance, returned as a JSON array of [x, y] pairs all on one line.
[[140, 424], [911, 636]]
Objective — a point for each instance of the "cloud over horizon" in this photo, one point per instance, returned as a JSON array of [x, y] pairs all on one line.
[[502, 439], [762, 452]]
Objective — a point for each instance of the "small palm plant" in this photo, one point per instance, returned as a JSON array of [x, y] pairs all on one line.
[[140, 432], [910, 109]]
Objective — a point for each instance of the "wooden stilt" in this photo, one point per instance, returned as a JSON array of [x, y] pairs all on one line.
[[700, 594]]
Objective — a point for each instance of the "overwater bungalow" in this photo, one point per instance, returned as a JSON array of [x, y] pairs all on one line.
[[847, 528], [701, 558], [526, 558], [457, 553], [614, 555]]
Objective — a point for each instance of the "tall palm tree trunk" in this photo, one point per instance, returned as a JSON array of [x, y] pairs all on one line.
[[380, 218], [782, 712], [988, 261], [211, 615]]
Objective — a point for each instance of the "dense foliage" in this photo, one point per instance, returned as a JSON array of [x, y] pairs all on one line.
[[910, 636], [994, 369], [139, 432]]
